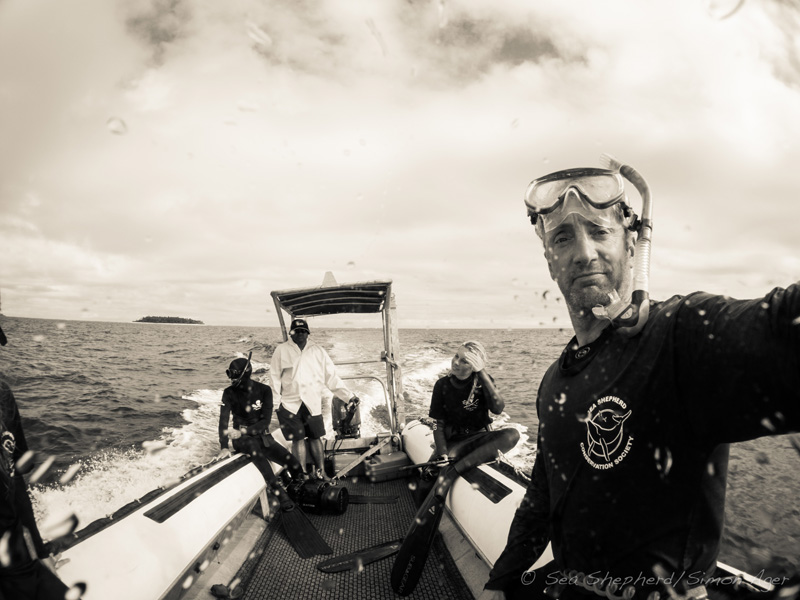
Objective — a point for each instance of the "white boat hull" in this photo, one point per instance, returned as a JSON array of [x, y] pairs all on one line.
[[483, 523], [138, 558]]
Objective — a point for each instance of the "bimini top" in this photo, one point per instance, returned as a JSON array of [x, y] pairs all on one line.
[[369, 297]]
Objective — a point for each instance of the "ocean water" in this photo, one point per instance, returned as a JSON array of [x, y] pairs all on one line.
[[126, 407]]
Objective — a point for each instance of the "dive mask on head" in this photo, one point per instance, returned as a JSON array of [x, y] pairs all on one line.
[[588, 192], [234, 374], [238, 371]]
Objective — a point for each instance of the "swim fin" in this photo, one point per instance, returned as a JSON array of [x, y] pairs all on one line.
[[357, 499], [360, 558], [302, 535], [413, 553]]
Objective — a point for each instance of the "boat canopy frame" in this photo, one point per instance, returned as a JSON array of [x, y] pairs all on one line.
[[332, 298]]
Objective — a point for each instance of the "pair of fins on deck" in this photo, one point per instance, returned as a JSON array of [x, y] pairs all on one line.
[[412, 551]]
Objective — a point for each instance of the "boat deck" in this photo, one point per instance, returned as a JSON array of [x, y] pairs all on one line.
[[273, 569]]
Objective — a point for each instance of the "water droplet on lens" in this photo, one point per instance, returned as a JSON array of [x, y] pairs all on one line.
[[76, 591], [258, 35], [24, 461], [663, 461], [152, 447], [43, 468], [763, 518], [117, 126], [5, 554], [56, 528], [70, 473]]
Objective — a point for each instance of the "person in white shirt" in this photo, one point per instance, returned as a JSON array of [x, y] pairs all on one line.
[[300, 371]]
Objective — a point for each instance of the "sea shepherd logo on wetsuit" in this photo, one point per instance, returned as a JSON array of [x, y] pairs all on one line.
[[606, 443]]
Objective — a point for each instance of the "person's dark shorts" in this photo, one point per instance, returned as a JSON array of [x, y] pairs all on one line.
[[301, 425]]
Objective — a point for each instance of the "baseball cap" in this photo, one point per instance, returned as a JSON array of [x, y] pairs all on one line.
[[299, 324]]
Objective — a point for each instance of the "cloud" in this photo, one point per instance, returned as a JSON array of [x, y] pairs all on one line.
[[265, 143]]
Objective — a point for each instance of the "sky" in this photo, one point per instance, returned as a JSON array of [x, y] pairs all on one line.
[[175, 158]]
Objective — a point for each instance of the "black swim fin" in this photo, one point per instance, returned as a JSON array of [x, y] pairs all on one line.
[[302, 535], [356, 560], [357, 499], [413, 553]]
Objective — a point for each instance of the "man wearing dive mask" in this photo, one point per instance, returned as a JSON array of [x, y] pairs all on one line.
[[250, 402], [629, 479]]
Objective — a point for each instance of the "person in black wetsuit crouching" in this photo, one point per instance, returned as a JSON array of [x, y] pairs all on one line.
[[250, 402]]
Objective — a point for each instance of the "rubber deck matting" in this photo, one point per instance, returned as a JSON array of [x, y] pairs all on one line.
[[275, 571]]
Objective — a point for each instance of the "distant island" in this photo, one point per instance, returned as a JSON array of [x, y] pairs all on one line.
[[169, 320]]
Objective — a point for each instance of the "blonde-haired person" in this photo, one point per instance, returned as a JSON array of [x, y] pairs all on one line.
[[460, 404]]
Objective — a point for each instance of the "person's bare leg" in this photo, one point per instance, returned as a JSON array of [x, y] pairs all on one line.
[[299, 451], [318, 455]]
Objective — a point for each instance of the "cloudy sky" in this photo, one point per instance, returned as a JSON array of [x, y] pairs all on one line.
[[167, 157]]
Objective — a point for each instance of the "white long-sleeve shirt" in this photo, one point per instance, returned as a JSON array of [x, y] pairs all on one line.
[[301, 377]]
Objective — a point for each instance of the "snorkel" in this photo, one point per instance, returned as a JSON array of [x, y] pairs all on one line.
[[236, 382], [629, 317]]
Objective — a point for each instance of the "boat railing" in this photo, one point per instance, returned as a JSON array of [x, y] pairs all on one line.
[[358, 362], [383, 359], [392, 424], [395, 368]]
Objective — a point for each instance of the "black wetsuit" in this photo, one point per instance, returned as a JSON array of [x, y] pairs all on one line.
[[251, 406], [632, 452], [462, 412], [25, 577]]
